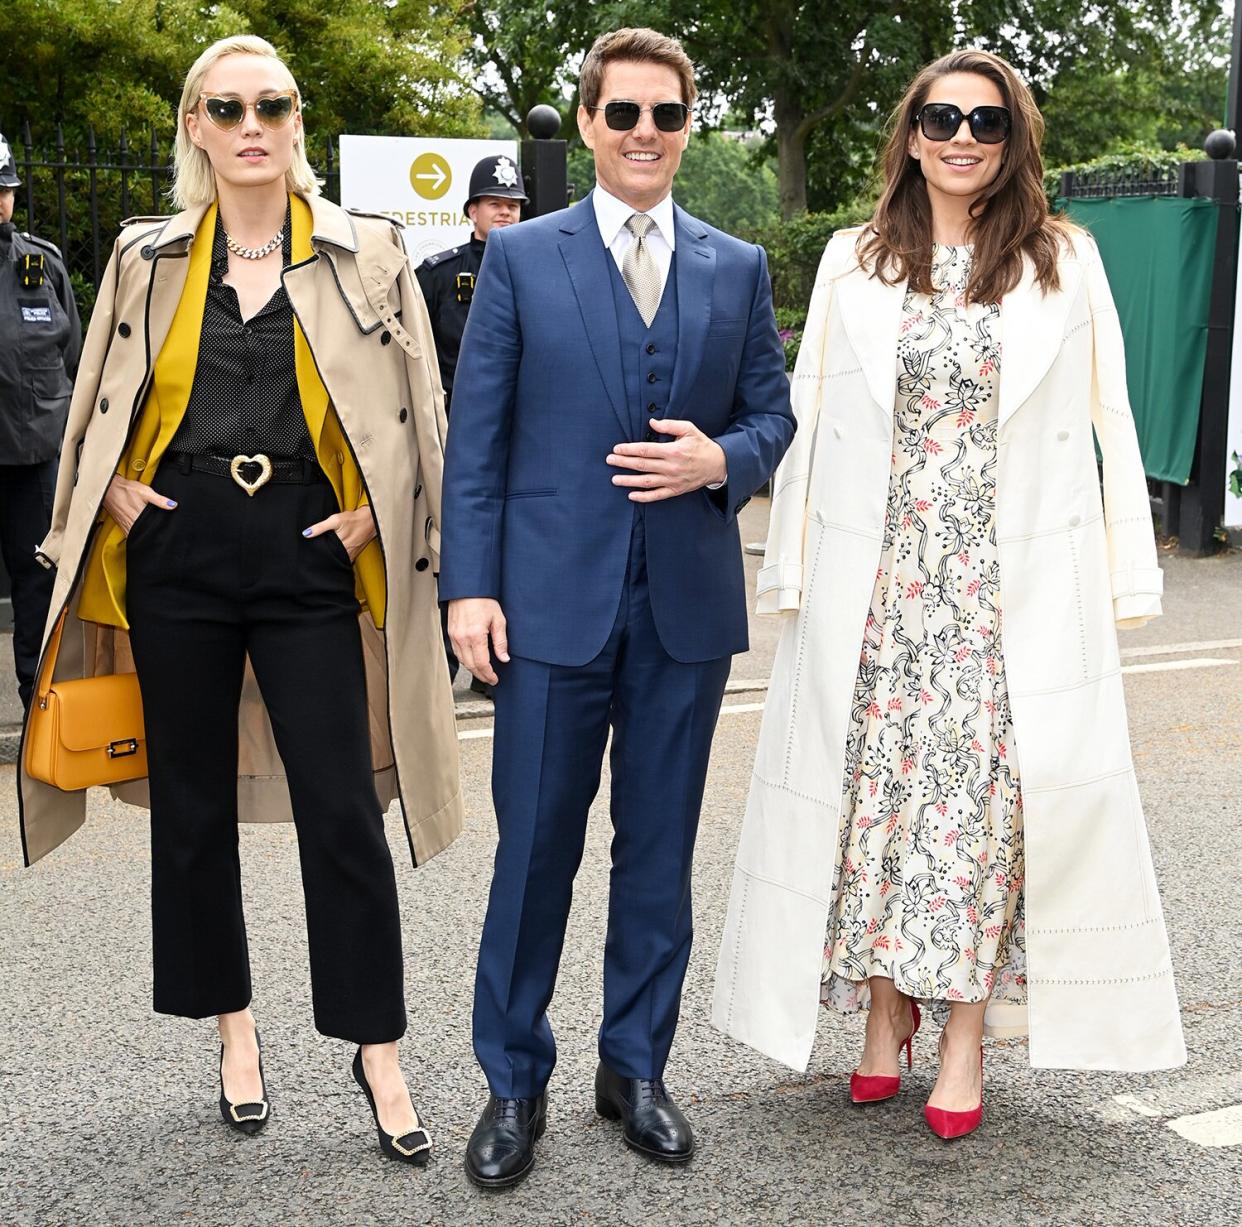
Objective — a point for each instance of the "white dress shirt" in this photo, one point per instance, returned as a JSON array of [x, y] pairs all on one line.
[[611, 215]]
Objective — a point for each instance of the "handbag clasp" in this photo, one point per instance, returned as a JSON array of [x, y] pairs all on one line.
[[123, 748]]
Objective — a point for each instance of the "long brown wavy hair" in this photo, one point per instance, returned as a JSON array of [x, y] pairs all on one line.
[[1010, 218]]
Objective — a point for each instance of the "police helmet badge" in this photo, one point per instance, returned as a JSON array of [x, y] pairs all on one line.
[[6, 154], [505, 173]]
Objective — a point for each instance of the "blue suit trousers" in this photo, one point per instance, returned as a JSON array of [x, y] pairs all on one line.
[[552, 725]]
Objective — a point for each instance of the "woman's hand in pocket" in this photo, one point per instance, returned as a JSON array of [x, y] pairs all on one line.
[[125, 500], [354, 528]]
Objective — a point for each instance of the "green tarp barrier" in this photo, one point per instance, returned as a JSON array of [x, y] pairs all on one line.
[[1158, 253]]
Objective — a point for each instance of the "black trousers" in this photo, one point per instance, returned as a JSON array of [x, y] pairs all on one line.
[[223, 577], [26, 493]]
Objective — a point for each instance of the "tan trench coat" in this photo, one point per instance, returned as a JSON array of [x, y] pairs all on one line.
[[367, 327], [1100, 991]]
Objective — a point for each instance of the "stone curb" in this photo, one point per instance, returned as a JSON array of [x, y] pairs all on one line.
[[467, 710]]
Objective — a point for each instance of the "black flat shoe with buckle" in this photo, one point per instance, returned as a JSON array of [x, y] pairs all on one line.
[[413, 1147], [651, 1123], [501, 1150], [247, 1118]]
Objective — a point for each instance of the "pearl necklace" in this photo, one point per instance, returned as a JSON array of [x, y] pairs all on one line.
[[254, 253]]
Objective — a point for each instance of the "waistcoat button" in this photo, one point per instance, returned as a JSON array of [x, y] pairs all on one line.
[[651, 376]]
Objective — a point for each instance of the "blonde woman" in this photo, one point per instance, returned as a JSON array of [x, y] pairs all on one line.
[[248, 513], [944, 816]]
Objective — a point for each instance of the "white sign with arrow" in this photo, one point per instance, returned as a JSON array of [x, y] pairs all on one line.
[[422, 182]]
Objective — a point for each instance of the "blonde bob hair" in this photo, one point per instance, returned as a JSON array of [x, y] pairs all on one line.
[[194, 182]]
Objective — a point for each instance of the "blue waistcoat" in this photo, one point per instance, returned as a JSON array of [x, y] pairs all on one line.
[[648, 355]]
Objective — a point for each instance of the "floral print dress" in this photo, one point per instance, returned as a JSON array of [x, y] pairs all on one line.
[[928, 882]]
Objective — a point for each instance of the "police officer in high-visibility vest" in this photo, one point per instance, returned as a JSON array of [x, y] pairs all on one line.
[[447, 279], [40, 339]]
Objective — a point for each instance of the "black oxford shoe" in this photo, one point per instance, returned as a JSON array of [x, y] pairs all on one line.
[[501, 1150], [651, 1122]]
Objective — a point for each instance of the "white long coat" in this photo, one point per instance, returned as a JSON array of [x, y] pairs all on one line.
[[1100, 983]]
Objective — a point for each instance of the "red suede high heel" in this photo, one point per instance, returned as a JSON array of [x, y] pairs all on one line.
[[875, 1088], [949, 1125]]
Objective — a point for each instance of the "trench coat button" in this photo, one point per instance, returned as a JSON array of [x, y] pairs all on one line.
[[421, 565], [123, 328], [103, 405], [1062, 435], [418, 489], [402, 415], [1075, 521], [148, 252], [138, 465], [385, 337]]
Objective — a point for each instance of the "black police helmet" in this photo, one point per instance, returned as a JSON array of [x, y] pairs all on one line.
[[8, 165], [496, 177]]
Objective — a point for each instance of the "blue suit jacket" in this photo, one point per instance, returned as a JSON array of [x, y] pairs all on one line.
[[531, 516]]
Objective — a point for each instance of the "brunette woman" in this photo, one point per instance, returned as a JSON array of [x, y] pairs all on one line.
[[944, 816], [247, 513]]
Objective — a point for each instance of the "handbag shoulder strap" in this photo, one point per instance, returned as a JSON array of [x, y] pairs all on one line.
[[49, 659]]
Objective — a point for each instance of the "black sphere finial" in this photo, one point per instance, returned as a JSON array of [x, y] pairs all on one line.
[[1220, 144], [543, 122]]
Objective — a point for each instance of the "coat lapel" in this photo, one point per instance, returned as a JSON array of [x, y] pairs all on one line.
[[1031, 330], [170, 269], [584, 254], [695, 266], [871, 312]]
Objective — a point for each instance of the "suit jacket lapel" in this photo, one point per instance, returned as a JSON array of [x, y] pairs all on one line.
[[871, 312], [584, 254], [695, 266], [1031, 330]]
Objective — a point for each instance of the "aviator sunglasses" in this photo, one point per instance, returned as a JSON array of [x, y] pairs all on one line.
[[622, 116], [272, 110], [940, 121]]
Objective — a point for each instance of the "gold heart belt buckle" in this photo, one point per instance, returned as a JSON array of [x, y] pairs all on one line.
[[265, 472]]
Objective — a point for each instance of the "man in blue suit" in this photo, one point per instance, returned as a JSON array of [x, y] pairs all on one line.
[[620, 394]]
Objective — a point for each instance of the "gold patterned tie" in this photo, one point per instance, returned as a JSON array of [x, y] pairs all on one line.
[[638, 268]]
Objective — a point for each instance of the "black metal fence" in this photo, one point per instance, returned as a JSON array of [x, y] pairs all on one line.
[[78, 195]]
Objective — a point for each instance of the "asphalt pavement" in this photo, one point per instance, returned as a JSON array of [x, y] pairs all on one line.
[[108, 1112]]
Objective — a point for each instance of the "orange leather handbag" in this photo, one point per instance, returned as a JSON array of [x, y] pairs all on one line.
[[85, 731]]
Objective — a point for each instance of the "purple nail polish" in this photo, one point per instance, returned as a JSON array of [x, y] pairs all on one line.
[[306, 532], [172, 502]]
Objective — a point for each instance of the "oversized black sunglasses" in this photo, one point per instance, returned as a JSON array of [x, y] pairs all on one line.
[[272, 111], [622, 116], [940, 121]]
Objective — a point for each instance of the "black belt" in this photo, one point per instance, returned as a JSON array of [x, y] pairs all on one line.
[[251, 473]]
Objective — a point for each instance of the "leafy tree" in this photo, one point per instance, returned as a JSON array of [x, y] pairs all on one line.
[[803, 65], [363, 65]]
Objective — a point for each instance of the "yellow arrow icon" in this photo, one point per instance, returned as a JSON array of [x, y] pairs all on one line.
[[431, 176]]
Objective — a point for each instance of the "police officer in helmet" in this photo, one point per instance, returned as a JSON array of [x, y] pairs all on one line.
[[447, 279], [40, 338]]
